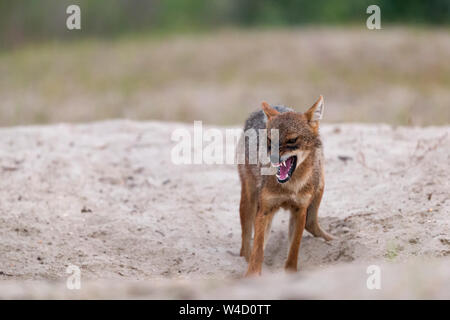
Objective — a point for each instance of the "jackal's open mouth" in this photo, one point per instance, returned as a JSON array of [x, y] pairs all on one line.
[[285, 169]]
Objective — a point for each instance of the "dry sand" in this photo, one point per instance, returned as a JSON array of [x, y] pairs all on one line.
[[107, 198]]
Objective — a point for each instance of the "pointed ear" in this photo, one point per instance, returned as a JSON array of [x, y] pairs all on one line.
[[268, 110], [315, 113]]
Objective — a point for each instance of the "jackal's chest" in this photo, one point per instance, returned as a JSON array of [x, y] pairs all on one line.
[[297, 200], [288, 201]]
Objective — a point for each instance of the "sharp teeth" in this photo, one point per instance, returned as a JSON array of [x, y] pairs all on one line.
[[278, 176], [284, 163]]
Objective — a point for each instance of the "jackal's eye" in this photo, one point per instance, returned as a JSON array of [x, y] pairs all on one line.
[[292, 141]]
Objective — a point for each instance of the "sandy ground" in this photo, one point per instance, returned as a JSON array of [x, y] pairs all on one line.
[[107, 198]]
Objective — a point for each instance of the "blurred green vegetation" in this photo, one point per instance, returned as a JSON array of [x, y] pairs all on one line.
[[123, 64], [34, 20], [397, 76]]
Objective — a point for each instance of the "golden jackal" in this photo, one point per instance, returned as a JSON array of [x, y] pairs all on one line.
[[297, 186]]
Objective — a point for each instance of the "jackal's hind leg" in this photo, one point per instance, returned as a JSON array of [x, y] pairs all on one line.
[[312, 220]]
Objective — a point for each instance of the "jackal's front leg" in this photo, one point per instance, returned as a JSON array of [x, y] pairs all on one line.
[[296, 227], [262, 219]]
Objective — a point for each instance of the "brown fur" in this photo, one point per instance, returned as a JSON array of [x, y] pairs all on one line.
[[263, 195]]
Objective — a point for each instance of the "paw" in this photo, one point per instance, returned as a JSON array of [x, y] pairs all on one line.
[[254, 269], [328, 237], [245, 254], [252, 273], [290, 268]]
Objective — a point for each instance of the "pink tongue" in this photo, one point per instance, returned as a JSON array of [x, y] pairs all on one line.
[[285, 169]]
